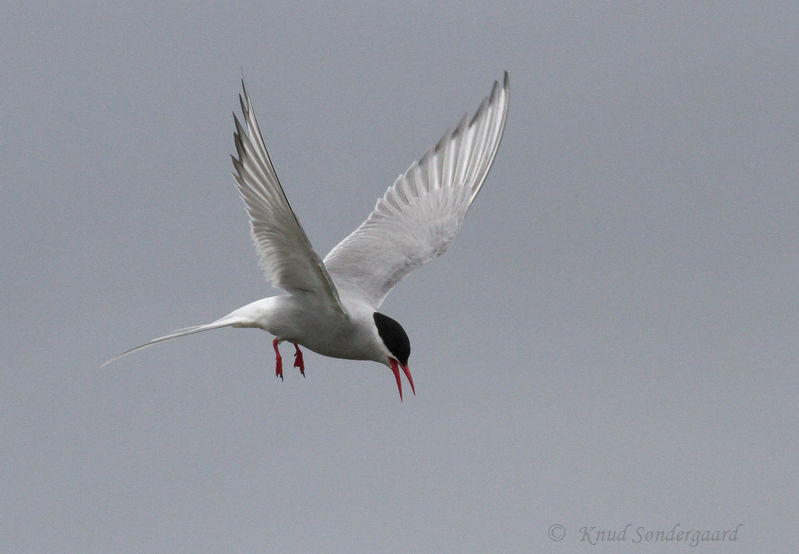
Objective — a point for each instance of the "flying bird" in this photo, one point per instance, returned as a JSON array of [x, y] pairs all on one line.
[[331, 305]]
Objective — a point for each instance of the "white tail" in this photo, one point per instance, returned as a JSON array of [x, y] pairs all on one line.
[[227, 321]]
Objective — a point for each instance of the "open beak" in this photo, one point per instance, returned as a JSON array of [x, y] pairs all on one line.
[[395, 367]]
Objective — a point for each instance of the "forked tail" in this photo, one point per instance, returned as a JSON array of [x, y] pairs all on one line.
[[227, 321]]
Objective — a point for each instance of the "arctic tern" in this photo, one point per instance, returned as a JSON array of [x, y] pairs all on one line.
[[331, 305]]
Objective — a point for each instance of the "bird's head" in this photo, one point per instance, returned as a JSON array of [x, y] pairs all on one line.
[[399, 347]]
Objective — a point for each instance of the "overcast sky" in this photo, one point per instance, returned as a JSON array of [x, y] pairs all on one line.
[[610, 341]]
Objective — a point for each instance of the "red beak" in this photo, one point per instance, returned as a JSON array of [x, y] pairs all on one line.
[[395, 365]]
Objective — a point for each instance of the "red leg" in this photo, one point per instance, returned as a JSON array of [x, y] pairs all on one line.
[[278, 360], [298, 362]]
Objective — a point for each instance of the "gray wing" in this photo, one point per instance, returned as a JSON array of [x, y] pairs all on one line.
[[285, 254], [419, 215]]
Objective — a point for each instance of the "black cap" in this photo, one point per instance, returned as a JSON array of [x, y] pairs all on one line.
[[394, 337]]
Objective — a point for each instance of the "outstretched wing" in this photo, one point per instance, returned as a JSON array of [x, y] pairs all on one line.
[[417, 218], [286, 255]]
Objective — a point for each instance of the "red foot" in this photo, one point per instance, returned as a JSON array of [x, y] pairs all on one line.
[[278, 360], [298, 359]]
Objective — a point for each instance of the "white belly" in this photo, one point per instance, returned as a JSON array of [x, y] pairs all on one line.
[[351, 336]]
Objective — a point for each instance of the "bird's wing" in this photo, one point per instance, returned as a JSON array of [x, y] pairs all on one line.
[[286, 256], [419, 215]]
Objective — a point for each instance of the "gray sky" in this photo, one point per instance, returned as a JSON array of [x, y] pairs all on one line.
[[611, 339]]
